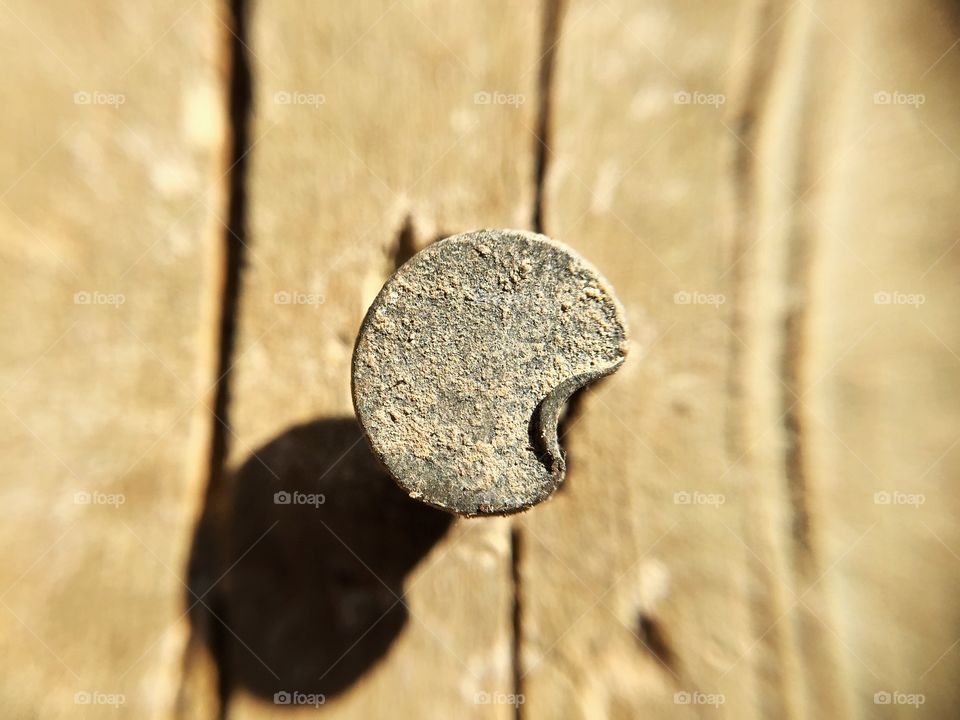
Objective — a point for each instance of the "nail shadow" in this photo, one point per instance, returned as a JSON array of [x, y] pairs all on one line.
[[300, 558]]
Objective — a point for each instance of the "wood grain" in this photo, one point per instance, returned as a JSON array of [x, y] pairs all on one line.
[[368, 139], [881, 373], [110, 187], [633, 580], [805, 185], [197, 211]]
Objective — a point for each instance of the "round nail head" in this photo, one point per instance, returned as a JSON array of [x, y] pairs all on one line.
[[466, 359]]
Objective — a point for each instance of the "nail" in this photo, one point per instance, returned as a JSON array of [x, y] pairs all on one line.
[[465, 362]]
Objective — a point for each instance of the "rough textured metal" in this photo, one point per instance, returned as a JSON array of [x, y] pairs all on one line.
[[465, 361]]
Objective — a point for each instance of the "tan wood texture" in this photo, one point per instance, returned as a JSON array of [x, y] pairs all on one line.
[[110, 190], [813, 386], [197, 208], [882, 368], [633, 580], [368, 139]]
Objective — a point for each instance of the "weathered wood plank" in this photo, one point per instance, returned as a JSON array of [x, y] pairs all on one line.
[[813, 258], [828, 394], [368, 140], [631, 591], [780, 155], [109, 186], [881, 372], [759, 506]]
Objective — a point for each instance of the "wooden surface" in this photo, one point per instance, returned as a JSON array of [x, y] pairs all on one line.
[[198, 208], [337, 192], [111, 192]]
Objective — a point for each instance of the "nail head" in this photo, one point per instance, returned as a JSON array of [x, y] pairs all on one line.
[[465, 361]]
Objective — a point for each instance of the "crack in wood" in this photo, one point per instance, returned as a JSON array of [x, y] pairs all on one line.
[[552, 18], [204, 556], [653, 639], [553, 11], [405, 246]]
